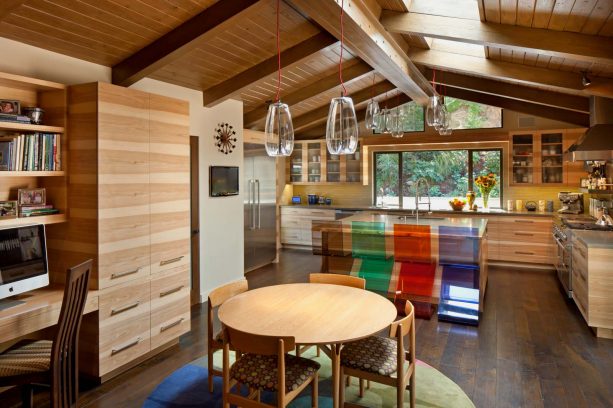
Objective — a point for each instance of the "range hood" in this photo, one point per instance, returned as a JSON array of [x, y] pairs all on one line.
[[597, 143]]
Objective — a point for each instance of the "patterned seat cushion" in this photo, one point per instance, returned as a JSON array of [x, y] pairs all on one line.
[[373, 354], [26, 357], [259, 371]]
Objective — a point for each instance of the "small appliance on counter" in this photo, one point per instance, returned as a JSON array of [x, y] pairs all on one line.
[[296, 200], [572, 203], [312, 199]]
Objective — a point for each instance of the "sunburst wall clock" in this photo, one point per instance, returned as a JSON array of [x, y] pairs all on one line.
[[225, 138]]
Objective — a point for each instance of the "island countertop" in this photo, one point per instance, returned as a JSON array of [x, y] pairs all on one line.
[[595, 239]]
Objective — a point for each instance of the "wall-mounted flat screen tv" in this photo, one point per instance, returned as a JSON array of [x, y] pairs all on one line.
[[223, 181]]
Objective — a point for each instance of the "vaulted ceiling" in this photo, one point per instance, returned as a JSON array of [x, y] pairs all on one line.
[[525, 55]]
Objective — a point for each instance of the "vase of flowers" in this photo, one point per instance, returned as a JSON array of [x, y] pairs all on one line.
[[486, 184]]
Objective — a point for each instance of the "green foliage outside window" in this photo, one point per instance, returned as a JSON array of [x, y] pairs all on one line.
[[472, 115]]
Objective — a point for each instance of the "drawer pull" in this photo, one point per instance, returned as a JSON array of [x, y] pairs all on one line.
[[524, 253], [171, 260], [171, 325], [125, 346], [125, 308], [122, 274], [525, 221], [171, 291], [524, 234]]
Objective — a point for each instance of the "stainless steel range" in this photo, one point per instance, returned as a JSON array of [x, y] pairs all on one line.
[[562, 234]]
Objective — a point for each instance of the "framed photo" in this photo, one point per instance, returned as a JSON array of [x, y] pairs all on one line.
[[584, 182], [8, 209], [32, 196], [10, 107]]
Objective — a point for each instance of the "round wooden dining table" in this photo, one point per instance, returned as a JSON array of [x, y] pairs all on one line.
[[321, 314]]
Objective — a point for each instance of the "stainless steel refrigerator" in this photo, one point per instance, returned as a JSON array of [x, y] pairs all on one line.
[[260, 207]]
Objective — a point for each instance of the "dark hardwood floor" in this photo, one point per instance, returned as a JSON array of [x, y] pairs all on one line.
[[532, 348]]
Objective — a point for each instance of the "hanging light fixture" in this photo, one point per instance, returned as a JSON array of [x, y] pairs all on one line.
[[444, 116], [398, 119], [342, 124], [279, 129], [431, 117], [372, 109]]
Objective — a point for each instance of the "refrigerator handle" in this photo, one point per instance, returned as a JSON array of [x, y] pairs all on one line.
[[253, 224], [257, 183]]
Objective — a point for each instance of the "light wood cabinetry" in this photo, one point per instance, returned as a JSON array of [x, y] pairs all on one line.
[[523, 239], [592, 286], [296, 224], [537, 157], [129, 195], [311, 163]]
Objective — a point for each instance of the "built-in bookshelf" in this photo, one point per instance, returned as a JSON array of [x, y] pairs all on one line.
[[50, 174]]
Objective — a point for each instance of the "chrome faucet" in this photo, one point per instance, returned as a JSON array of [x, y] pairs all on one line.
[[417, 197]]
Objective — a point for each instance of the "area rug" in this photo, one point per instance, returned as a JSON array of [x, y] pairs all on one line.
[[188, 388]]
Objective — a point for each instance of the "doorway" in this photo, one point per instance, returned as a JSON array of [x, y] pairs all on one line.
[[195, 219]]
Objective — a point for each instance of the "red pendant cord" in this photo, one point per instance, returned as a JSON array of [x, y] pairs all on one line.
[[340, 62], [278, 55]]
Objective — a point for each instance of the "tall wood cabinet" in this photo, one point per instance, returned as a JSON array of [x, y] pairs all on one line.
[[129, 195]]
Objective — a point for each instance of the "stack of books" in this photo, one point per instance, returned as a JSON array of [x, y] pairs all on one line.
[[30, 152], [7, 117], [35, 210]]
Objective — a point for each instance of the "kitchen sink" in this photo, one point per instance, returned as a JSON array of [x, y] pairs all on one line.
[[425, 217]]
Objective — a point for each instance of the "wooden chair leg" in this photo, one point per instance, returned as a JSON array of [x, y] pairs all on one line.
[[412, 388], [361, 394], [318, 352], [341, 392], [298, 351], [400, 388], [315, 391], [348, 381], [368, 384], [27, 396], [210, 367]]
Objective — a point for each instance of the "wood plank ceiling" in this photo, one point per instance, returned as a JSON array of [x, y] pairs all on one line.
[[232, 54]]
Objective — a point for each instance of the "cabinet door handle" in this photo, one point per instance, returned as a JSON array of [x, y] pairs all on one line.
[[171, 260], [122, 274], [524, 234], [125, 308], [171, 291], [125, 346], [171, 325], [525, 221], [524, 253]]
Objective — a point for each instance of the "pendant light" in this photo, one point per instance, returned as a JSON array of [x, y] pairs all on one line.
[[342, 124], [398, 120], [279, 129], [431, 118], [372, 109]]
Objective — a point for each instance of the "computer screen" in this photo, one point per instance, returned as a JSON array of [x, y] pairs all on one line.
[[23, 255]]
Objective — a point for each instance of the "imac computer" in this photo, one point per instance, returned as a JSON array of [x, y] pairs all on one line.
[[23, 262]]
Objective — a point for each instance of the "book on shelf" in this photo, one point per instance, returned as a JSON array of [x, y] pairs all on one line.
[[30, 152], [31, 211], [7, 117]]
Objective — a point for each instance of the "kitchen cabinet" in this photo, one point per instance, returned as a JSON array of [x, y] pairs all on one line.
[[537, 158], [311, 163], [296, 224]]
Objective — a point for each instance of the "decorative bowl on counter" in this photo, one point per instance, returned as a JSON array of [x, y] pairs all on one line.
[[457, 204]]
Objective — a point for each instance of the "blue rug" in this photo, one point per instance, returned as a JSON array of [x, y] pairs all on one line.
[[188, 388]]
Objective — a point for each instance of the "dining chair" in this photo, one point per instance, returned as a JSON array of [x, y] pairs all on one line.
[[331, 279], [215, 341], [384, 359], [52, 362]]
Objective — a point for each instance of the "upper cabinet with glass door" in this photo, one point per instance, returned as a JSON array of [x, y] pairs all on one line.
[[522, 158], [311, 163], [552, 158]]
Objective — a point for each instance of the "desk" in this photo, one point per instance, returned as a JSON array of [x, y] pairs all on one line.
[[312, 313], [40, 310]]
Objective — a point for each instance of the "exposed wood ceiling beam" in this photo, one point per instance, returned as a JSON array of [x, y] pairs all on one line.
[[351, 73], [320, 114], [245, 79], [8, 6], [561, 81], [562, 115], [367, 38], [209, 23], [515, 91], [564, 44]]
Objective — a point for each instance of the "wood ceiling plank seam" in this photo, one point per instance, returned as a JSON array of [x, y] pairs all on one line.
[[9, 6], [506, 54], [508, 12], [542, 60], [579, 14], [560, 13], [148, 13], [530, 58], [555, 62], [59, 34], [241, 56], [132, 15], [568, 65], [542, 13], [222, 61], [598, 17], [525, 12], [449, 8], [173, 9], [492, 11], [70, 26], [607, 28], [518, 57]]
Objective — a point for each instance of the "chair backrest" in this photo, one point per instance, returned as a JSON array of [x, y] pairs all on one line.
[[406, 324], [222, 293], [64, 353], [337, 279], [257, 344]]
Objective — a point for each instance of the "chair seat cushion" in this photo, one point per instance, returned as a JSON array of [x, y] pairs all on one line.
[[260, 372], [26, 357], [373, 354]]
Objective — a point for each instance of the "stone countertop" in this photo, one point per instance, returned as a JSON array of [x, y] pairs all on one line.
[[490, 211], [595, 239]]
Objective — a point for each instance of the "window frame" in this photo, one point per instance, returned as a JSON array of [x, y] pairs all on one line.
[[470, 170]]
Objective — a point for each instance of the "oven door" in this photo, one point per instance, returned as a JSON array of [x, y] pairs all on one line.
[[563, 264]]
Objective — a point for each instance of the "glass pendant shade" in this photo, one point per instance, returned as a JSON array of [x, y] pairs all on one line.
[[279, 130], [396, 129], [431, 111], [372, 109], [382, 118], [342, 127]]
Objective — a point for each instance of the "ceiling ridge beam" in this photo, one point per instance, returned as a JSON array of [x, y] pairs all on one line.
[[210, 22], [560, 81], [352, 73], [318, 115], [564, 44], [226, 89], [514, 91]]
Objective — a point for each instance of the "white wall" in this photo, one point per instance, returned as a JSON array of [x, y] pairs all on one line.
[[221, 219]]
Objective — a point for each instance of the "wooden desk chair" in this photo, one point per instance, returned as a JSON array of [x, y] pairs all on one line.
[[52, 362], [215, 341], [265, 366], [382, 359], [331, 279]]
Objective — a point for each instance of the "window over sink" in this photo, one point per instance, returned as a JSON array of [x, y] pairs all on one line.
[[450, 173]]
